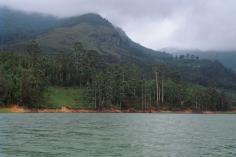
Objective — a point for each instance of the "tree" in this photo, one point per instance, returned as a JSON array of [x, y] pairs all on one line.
[[34, 52], [3, 90]]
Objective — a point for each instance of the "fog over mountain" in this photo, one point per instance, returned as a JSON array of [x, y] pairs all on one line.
[[206, 25]]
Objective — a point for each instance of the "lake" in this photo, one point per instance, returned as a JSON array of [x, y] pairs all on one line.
[[117, 134]]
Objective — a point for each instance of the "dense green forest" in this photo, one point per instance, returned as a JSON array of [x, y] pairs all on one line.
[[87, 62], [25, 77]]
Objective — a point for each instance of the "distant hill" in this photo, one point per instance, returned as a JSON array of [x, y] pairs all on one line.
[[204, 72], [94, 32], [17, 26], [227, 58]]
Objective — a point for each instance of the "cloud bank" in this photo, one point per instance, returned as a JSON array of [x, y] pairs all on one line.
[[202, 24]]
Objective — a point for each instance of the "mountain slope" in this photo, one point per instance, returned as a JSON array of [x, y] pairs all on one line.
[[54, 34], [96, 33], [17, 26], [205, 72], [227, 58]]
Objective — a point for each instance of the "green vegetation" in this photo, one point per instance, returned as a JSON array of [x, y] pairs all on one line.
[[5, 110], [227, 58], [205, 72], [86, 62], [70, 97], [96, 33], [84, 79]]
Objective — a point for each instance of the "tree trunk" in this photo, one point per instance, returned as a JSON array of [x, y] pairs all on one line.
[[95, 97], [157, 89], [162, 85], [142, 95]]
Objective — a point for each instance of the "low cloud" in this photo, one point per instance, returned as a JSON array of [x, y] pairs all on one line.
[[202, 24]]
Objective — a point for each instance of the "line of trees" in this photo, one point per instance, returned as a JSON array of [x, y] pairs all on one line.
[[24, 77]]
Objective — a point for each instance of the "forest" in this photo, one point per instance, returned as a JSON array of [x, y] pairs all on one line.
[[122, 84]]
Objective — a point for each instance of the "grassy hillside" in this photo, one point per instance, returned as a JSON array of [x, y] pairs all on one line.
[[5, 110], [57, 97], [97, 38]]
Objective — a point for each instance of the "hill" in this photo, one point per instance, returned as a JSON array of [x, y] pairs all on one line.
[[56, 34], [227, 58], [96, 33], [17, 26]]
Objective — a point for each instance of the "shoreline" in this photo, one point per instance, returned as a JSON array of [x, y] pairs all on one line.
[[17, 109]]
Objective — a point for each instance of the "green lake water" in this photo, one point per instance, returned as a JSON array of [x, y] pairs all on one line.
[[117, 134]]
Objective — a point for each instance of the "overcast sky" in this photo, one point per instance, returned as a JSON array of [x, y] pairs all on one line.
[[202, 24]]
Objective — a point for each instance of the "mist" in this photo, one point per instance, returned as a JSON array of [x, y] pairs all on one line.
[[199, 24]]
